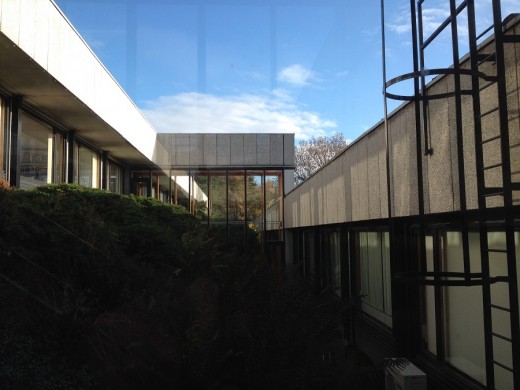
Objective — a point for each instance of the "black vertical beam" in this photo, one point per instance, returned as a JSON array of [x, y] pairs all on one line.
[[264, 212], [245, 205], [16, 140], [208, 210], [105, 174], [508, 192], [418, 145], [170, 196], [227, 204], [150, 185], [460, 135], [71, 156], [479, 159]]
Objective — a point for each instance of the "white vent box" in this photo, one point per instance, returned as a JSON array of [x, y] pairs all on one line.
[[400, 374]]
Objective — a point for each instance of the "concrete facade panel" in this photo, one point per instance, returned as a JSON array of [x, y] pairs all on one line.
[[404, 165], [196, 150], [182, 144], [288, 153], [263, 149], [27, 37], [210, 149], [237, 149], [277, 149], [223, 149], [373, 176], [41, 52], [10, 22], [346, 158], [249, 149], [360, 173]]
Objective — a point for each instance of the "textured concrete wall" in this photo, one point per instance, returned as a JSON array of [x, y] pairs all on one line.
[[229, 150], [353, 186]]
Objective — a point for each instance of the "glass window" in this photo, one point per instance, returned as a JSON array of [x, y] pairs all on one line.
[[87, 167], [374, 275], [36, 143], [58, 171], [115, 178], [309, 255], [218, 202], [255, 201], [273, 207], [237, 203], [463, 308], [335, 263], [181, 188], [199, 194]]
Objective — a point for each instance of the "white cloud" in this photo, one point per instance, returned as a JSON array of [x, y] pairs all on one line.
[[193, 112], [296, 75]]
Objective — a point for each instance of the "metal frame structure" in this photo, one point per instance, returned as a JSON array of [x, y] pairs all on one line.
[[488, 196]]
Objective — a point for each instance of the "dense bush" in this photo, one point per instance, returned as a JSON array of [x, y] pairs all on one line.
[[103, 291]]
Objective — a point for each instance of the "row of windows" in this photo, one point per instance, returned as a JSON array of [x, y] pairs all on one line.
[[451, 317], [229, 201], [44, 153]]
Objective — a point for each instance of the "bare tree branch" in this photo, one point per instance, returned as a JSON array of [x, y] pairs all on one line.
[[311, 155]]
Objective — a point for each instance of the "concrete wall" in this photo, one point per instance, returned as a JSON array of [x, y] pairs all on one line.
[[229, 150], [40, 29], [353, 186]]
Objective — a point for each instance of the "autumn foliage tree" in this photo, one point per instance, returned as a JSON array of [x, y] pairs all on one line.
[[312, 154]]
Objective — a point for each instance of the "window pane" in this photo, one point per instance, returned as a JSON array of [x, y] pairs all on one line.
[[374, 275], [181, 188], [273, 199], [236, 207], [36, 153], [429, 324], [88, 168], [255, 202], [463, 316], [199, 186], [335, 263], [218, 203], [115, 178], [59, 158]]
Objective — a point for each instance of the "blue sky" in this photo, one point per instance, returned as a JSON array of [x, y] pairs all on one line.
[[307, 67]]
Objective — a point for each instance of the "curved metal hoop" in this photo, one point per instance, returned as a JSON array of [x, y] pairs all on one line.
[[433, 72], [447, 278]]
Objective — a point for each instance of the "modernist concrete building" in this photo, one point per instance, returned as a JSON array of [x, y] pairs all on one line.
[[418, 221], [65, 119]]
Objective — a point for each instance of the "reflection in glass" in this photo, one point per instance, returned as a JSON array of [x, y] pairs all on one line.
[[236, 205], [36, 153], [115, 178], [218, 202], [335, 263], [199, 187], [374, 275], [88, 167], [181, 188], [254, 197], [58, 170], [273, 208]]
